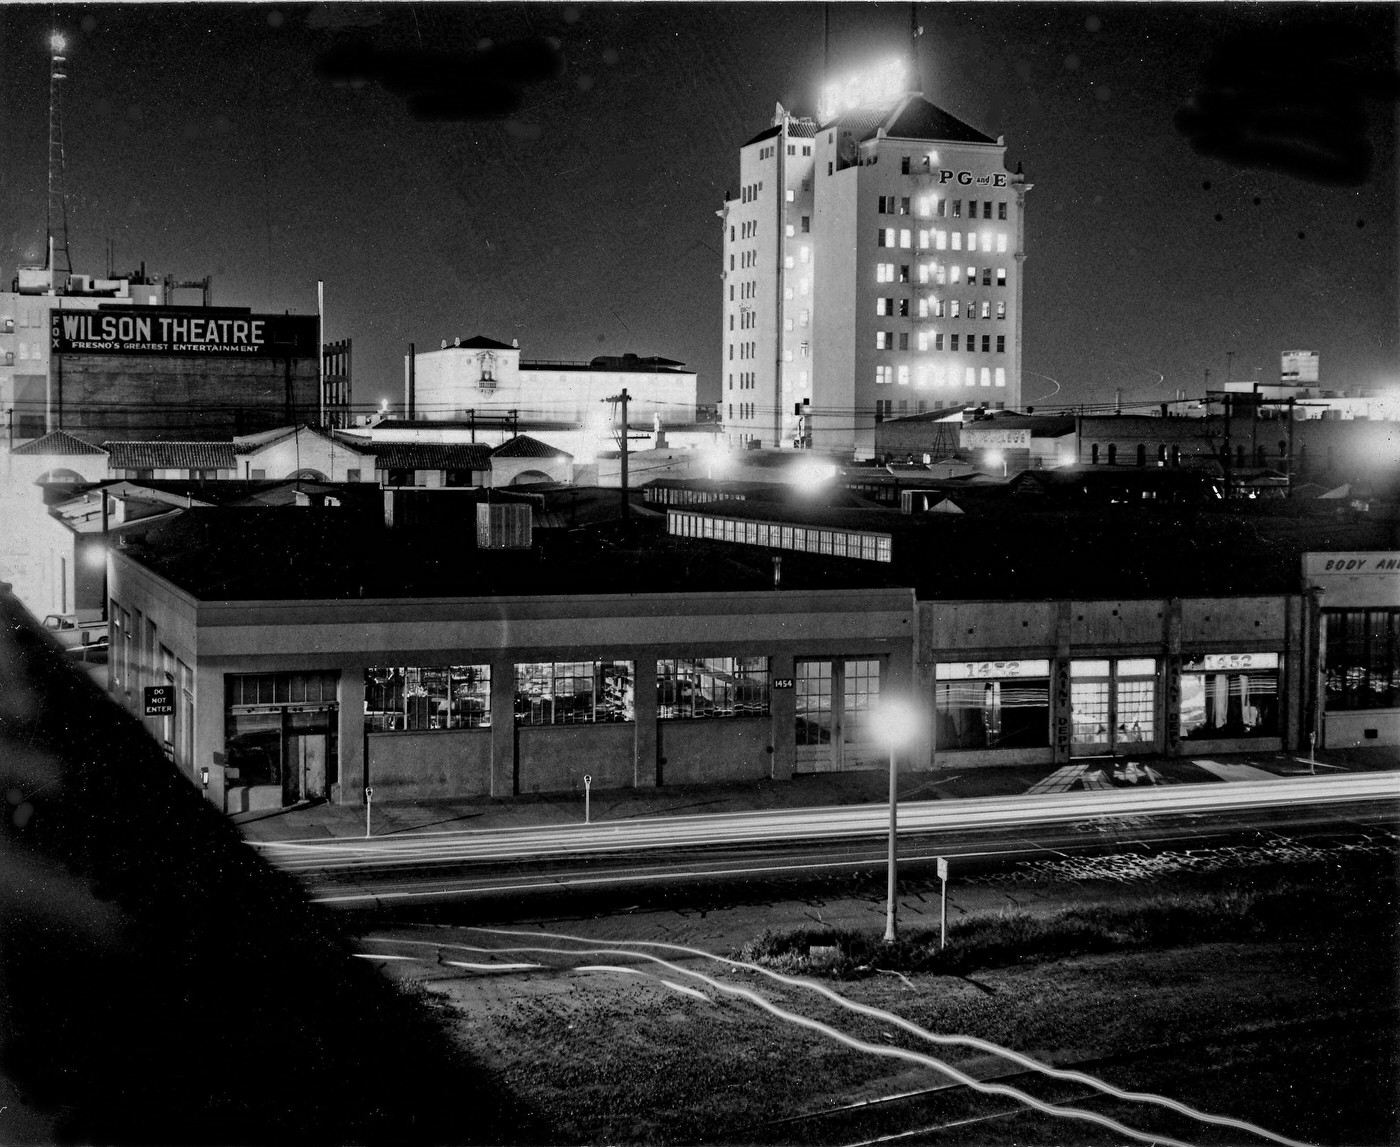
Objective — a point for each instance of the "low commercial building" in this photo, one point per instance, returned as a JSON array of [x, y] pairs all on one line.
[[322, 661]]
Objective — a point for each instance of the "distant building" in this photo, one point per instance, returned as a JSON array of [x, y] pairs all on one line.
[[872, 268], [479, 381], [116, 358]]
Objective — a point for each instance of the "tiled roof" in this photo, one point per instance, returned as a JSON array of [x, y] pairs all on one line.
[[58, 442], [523, 446], [916, 118], [913, 118], [480, 342], [430, 455], [170, 455]]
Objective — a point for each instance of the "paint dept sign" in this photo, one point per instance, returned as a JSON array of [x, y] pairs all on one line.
[[148, 331]]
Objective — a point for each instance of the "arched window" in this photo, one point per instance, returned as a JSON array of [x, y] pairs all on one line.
[[1142, 454], [1176, 455], [1161, 455], [1112, 454], [1239, 455], [1094, 454]]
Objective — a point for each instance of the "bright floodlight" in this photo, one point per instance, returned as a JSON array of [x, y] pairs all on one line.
[[57, 42], [95, 558], [810, 472], [895, 722]]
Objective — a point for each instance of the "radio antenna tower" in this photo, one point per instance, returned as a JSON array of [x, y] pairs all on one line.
[[56, 219]]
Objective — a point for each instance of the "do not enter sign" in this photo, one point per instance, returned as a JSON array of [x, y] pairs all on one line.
[[160, 700]]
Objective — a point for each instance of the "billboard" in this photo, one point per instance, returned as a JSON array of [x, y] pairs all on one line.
[[186, 331]]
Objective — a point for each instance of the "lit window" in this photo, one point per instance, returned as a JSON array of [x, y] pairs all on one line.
[[955, 310], [883, 306], [924, 205], [1001, 310], [940, 240], [882, 340], [1001, 276], [884, 375], [923, 272], [986, 376], [923, 312], [939, 307], [957, 240], [791, 195], [790, 231], [787, 324], [970, 376], [712, 687], [905, 237], [902, 376], [805, 253], [940, 376], [955, 273], [923, 239], [884, 272], [957, 208], [921, 374], [972, 240], [923, 340], [789, 262], [1001, 376], [986, 309], [1001, 210], [1001, 242]]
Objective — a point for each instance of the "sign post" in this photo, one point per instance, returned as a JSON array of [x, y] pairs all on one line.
[[943, 911], [587, 792], [369, 797]]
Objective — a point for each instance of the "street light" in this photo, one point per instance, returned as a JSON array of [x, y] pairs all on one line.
[[895, 722], [997, 458]]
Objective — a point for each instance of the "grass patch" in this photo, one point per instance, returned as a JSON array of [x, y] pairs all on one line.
[[1289, 909]]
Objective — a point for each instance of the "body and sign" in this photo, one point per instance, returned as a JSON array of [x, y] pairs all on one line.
[[160, 700]]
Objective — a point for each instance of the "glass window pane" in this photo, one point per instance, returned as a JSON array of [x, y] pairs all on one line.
[[1137, 667], [1088, 668]]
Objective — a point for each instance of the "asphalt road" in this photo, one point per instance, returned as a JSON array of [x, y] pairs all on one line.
[[974, 835]]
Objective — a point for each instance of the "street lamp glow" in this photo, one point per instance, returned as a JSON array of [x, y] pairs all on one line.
[[717, 460], [57, 42], [95, 557], [996, 458], [896, 724]]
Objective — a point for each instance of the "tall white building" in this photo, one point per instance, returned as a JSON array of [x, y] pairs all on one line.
[[873, 267]]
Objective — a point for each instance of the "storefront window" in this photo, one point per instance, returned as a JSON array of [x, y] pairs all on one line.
[[1229, 695], [993, 705], [1113, 705], [1363, 658], [712, 687], [574, 692], [427, 698]]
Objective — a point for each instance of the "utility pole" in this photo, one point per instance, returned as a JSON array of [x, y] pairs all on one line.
[[622, 441]]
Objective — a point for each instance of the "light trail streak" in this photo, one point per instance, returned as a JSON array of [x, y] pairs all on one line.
[[841, 1037], [491, 967], [843, 822], [882, 1016]]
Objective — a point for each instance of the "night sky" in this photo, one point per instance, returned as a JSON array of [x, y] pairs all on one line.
[[1209, 178]]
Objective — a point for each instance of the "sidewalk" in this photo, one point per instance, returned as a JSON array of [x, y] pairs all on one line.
[[806, 791]]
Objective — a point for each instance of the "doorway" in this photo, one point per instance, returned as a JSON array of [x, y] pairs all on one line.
[[1113, 707], [834, 699]]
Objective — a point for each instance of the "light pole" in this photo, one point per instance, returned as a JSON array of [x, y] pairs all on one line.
[[896, 722]]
